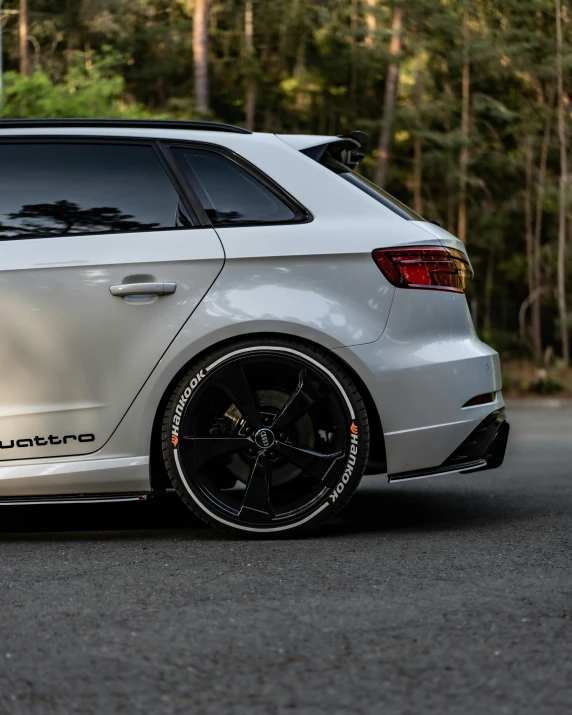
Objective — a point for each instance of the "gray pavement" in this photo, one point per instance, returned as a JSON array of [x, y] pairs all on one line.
[[451, 595]]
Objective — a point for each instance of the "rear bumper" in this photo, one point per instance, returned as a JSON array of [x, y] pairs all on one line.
[[483, 449], [427, 365]]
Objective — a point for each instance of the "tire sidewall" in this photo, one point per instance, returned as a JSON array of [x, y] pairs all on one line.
[[355, 459]]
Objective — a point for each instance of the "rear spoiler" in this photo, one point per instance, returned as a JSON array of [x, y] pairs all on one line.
[[344, 149]]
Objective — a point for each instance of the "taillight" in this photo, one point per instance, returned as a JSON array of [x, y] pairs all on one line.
[[426, 267]]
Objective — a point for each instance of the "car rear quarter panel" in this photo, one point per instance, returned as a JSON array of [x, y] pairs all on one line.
[[426, 366]]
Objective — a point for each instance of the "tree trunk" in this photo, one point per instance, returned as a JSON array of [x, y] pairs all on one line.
[[529, 159], [450, 177], [201, 55], [353, 56], [489, 285], [418, 147], [464, 156], [563, 187], [391, 86], [251, 82], [450, 198], [536, 305], [370, 22], [299, 74], [23, 33]]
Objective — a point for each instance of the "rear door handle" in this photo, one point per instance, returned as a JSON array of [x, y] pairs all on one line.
[[126, 289]]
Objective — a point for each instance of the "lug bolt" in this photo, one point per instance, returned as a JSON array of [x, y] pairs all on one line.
[[267, 421], [272, 455], [252, 452], [282, 436], [248, 430]]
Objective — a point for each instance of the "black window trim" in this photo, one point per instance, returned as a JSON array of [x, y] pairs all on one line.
[[301, 213], [193, 208]]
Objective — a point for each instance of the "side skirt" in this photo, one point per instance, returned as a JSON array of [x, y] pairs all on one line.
[[31, 479], [437, 472], [76, 499]]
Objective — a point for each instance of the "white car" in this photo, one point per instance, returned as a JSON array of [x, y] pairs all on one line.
[[240, 316]]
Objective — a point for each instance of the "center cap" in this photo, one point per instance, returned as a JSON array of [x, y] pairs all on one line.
[[264, 438]]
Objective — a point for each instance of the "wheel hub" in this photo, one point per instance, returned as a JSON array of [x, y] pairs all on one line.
[[264, 438]]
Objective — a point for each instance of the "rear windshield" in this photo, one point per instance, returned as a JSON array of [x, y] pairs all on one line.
[[371, 189]]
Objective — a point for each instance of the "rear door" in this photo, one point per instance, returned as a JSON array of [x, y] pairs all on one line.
[[101, 264]]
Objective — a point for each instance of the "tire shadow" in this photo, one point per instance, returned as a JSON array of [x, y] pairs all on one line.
[[156, 517], [431, 509], [372, 509]]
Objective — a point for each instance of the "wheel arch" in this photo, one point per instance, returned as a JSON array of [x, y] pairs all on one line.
[[158, 473]]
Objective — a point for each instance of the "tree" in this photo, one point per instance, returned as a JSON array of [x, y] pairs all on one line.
[[249, 54], [464, 157], [23, 35], [418, 145], [201, 55], [562, 201], [390, 97], [536, 286], [370, 21]]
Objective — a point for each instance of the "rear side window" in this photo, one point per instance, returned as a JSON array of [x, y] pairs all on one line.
[[56, 189], [230, 195]]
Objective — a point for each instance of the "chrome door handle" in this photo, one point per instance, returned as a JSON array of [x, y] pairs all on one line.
[[125, 289]]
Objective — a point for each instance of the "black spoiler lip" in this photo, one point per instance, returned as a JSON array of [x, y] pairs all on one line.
[[344, 148]]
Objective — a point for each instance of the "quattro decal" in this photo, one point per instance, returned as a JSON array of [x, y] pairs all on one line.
[[44, 441]]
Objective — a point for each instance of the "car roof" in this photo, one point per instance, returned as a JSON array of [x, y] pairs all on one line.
[[121, 124]]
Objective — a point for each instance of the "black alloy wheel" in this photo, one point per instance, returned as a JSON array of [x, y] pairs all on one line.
[[266, 438]]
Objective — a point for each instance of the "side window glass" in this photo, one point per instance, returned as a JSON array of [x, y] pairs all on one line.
[[56, 189], [230, 195]]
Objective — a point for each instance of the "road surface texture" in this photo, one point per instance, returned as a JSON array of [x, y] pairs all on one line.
[[451, 595]]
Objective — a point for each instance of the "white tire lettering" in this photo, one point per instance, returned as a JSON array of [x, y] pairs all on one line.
[[334, 494]]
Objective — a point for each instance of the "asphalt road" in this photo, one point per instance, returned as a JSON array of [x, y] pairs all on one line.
[[451, 595]]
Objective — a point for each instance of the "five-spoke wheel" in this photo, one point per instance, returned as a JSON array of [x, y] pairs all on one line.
[[266, 438]]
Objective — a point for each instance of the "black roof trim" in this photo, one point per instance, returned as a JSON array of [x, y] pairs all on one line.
[[117, 123]]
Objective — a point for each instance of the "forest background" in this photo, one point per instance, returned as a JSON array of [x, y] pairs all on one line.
[[466, 102]]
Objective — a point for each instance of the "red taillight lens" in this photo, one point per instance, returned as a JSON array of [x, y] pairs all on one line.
[[429, 267]]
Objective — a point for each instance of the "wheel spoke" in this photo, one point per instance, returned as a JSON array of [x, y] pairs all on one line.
[[256, 495], [297, 406], [232, 380], [313, 463], [204, 449]]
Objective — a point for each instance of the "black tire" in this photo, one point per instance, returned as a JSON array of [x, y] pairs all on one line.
[[226, 462]]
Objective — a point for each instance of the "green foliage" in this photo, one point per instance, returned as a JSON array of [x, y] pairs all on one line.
[[81, 93]]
